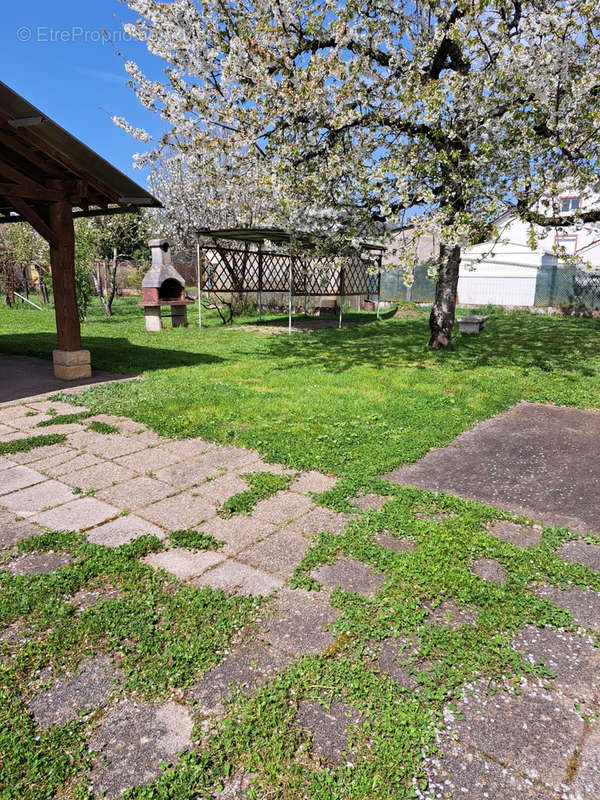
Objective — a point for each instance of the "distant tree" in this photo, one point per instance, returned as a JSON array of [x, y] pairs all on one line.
[[117, 237]]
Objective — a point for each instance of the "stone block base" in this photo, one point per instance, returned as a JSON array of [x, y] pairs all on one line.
[[179, 316], [69, 365], [153, 319]]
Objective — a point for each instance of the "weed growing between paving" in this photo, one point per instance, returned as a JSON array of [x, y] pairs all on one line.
[[64, 419], [162, 635], [262, 486], [102, 427], [31, 442], [194, 540]]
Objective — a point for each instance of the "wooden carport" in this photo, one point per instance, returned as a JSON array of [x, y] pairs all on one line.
[[47, 178]]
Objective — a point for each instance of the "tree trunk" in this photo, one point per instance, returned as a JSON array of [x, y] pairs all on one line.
[[441, 319]]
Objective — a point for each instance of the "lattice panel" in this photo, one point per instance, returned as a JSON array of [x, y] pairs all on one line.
[[586, 289], [235, 270]]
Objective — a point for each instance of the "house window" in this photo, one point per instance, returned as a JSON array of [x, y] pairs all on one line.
[[567, 243], [569, 204]]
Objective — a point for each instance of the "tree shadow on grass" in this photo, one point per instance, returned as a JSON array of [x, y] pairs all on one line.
[[522, 340], [109, 353]]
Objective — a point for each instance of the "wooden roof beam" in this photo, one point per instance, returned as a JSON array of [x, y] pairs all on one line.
[[34, 219]]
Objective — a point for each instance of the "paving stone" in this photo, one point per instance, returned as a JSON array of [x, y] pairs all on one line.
[[320, 520], [87, 598], [278, 554], [184, 474], [584, 604], [397, 659], [16, 478], [77, 515], [577, 551], [394, 543], [229, 457], [489, 569], [113, 445], [350, 575], [90, 686], [182, 511], [98, 476], [155, 458], [238, 532], [231, 576], [133, 741], [38, 563], [522, 535], [5, 429], [135, 493], [457, 772], [187, 449], [451, 615], [70, 466], [301, 624], [283, 507], [13, 532], [573, 659], [40, 453], [249, 666], [65, 457], [28, 502], [124, 530], [370, 501], [586, 782], [6, 464], [329, 728], [532, 732], [221, 489], [313, 482], [182, 563]]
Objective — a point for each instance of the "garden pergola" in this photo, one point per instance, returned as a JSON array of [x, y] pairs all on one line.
[[47, 178], [244, 265]]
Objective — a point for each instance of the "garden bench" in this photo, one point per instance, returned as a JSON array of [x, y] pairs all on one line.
[[473, 324]]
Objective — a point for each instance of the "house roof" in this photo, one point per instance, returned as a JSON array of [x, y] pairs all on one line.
[[40, 162]]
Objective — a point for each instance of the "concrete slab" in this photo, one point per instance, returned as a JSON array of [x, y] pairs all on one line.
[[38, 563], [584, 604], [27, 377], [489, 569], [370, 501], [328, 726], [573, 659], [78, 515], [237, 578], [450, 614], [532, 732], [135, 493], [184, 564], [133, 741], [522, 535], [283, 507], [313, 482], [395, 544], [98, 476], [302, 623], [279, 554], [320, 520], [89, 687], [29, 502], [123, 530], [13, 531], [176, 513], [581, 552], [237, 532], [18, 477], [535, 460], [350, 575]]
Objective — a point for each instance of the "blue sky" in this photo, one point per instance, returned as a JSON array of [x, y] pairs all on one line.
[[52, 54]]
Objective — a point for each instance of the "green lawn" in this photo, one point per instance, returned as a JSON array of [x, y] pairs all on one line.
[[354, 402]]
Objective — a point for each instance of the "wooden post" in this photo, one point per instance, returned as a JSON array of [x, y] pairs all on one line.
[[70, 361]]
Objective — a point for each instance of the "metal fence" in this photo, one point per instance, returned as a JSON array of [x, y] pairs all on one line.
[[554, 286]]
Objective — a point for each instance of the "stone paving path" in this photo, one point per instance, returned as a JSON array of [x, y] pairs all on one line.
[[541, 743]]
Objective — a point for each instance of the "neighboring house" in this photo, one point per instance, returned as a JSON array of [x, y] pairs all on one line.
[[509, 272]]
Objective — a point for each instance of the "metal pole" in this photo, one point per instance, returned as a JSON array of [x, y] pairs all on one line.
[[260, 278], [26, 300], [290, 281], [379, 284], [199, 282]]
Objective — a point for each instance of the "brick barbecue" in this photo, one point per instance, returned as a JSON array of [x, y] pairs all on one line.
[[163, 286]]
